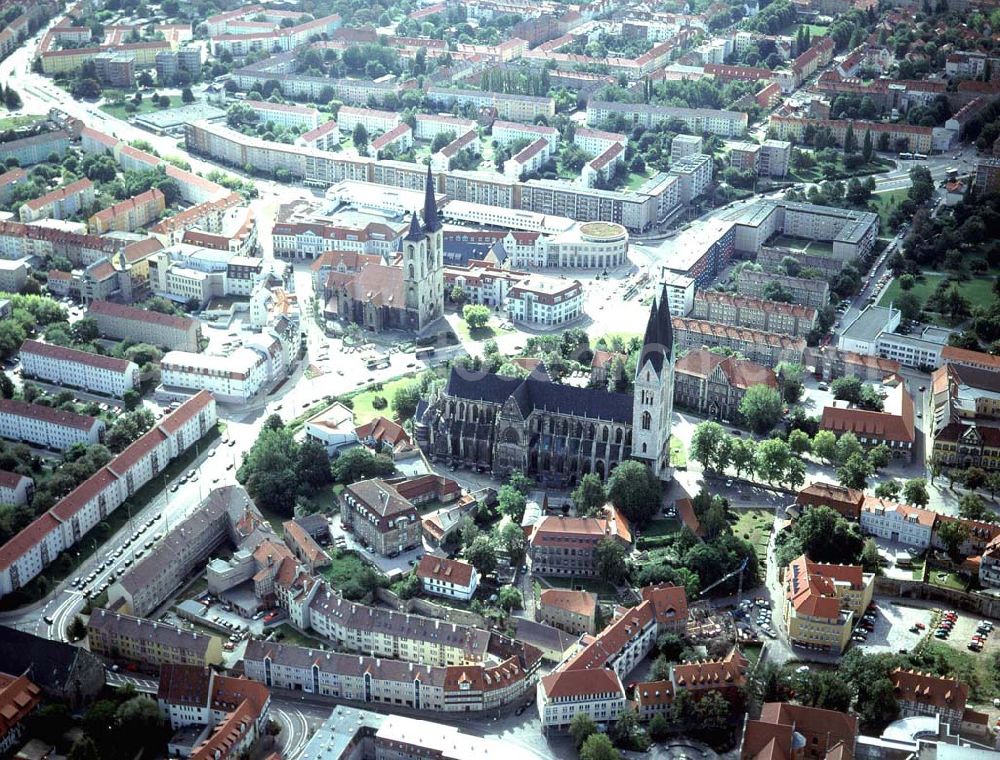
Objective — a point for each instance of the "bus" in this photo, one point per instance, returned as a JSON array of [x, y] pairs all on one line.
[[906, 156], [424, 353]]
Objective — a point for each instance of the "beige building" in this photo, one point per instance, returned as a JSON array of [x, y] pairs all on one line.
[[755, 313], [572, 611], [380, 517], [147, 643], [823, 602], [142, 326]]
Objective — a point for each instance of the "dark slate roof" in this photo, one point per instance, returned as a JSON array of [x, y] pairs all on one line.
[[460, 252], [658, 342], [485, 386], [415, 233], [535, 393], [431, 221], [49, 663]]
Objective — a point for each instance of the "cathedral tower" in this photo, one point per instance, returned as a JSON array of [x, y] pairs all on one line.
[[423, 261], [653, 402]]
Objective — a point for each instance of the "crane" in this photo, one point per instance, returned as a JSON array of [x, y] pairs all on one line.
[[724, 578]]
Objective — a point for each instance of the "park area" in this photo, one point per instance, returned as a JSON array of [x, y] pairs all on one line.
[[119, 111], [754, 525], [978, 291]]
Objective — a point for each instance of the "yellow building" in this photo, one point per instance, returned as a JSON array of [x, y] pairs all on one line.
[[823, 602], [119, 637]]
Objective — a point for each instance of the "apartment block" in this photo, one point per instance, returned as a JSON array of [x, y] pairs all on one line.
[[755, 313], [284, 115], [15, 489], [26, 554], [78, 369], [893, 426], [129, 215], [694, 173], [572, 611], [374, 122], [903, 137], [774, 158], [767, 348], [544, 301], [380, 517], [680, 291], [149, 644], [46, 427], [61, 203], [506, 132], [714, 384], [9, 180], [566, 545], [799, 290], [823, 602], [696, 120], [119, 322], [899, 523], [35, 149]]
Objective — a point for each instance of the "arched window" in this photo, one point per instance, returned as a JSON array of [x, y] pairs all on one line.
[[411, 271], [643, 448], [647, 422]]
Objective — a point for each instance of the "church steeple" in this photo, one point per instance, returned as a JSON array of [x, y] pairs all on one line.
[[414, 234], [431, 221]]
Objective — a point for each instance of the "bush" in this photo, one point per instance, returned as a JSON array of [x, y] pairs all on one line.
[[379, 402]]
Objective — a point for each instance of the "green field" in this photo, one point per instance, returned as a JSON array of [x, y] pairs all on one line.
[[146, 106], [678, 454], [363, 409], [968, 667], [815, 30], [18, 120], [344, 565], [754, 525], [978, 290], [886, 202]]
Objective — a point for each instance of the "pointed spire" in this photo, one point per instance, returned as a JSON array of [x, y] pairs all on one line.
[[431, 221], [415, 233]]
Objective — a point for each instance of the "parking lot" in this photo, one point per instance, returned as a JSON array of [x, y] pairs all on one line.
[[400, 564], [115, 563], [893, 627]]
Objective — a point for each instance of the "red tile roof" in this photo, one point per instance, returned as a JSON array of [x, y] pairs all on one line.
[[578, 602], [927, 689], [446, 570], [27, 538], [889, 426], [120, 311]]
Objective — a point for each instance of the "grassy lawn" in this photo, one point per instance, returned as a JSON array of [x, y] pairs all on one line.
[[752, 653], [634, 180], [594, 585], [886, 202], [363, 409], [945, 579], [918, 570], [678, 453], [18, 120], [787, 241], [822, 247], [663, 527], [969, 667], [146, 106], [465, 333], [978, 290], [754, 525], [344, 565], [814, 29], [289, 635]]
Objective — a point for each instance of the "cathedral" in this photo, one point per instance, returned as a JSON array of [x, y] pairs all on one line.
[[557, 433], [405, 295]]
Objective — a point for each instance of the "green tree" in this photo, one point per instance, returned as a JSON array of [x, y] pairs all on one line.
[[879, 457], [6, 385], [771, 460], [825, 689], [705, 441], [358, 463], [405, 401], [854, 473], [360, 138], [268, 471], [953, 534], [589, 496], [671, 646], [598, 747], [870, 559], [511, 502], [659, 728], [512, 539], [761, 408], [609, 559], [848, 446], [482, 554], [476, 315], [915, 492], [799, 442], [974, 478], [312, 466], [713, 711], [824, 445], [850, 141], [187, 96], [581, 727], [868, 149], [972, 507], [509, 598], [790, 381], [822, 534], [888, 489], [635, 491], [76, 630]]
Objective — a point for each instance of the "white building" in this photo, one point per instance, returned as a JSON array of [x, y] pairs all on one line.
[[450, 578], [545, 301], [595, 141], [901, 523], [348, 117], [529, 159], [15, 489], [24, 556], [237, 377], [918, 351], [561, 695], [862, 335], [333, 428], [46, 427], [282, 115], [680, 292], [79, 369], [694, 173], [508, 132], [774, 158], [683, 146], [430, 126]]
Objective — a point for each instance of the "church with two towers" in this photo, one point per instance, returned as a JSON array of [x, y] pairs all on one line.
[[556, 433], [405, 295]]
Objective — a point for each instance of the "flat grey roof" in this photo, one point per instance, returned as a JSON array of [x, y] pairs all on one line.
[[869, 324]]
